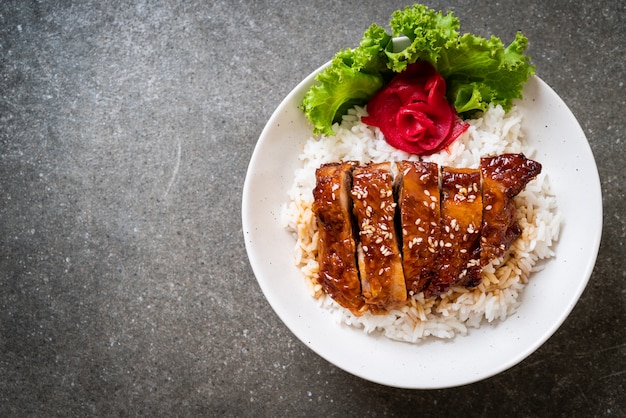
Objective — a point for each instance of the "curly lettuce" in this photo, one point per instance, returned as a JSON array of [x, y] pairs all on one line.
[[480, 71], [352, 78], [477, 71], [429, 32]]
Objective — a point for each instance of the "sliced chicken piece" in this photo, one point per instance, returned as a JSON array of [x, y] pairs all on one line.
[[458, 260], [504, 177], [418, 200], [379, 259], [332, 205], [448, 234]]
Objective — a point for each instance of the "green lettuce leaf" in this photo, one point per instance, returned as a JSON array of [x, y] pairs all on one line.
[[428, 31], [480, 71], [352, 78]]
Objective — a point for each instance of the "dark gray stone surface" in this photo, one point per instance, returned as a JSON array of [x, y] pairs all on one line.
[[125, 133]]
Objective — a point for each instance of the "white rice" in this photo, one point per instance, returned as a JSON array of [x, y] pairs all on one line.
[[497, 297]]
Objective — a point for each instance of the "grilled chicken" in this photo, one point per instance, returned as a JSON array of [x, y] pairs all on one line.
[[458, 259], [418, 200], [452, 224], [338, 272], [504, 177], [379, 259]]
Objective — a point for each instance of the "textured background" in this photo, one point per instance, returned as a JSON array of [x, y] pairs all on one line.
[[125, 133]]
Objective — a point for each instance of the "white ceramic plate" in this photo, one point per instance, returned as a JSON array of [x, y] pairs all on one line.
[[564, 152]]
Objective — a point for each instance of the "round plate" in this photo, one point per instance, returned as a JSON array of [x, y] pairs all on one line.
[[551, 294]]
